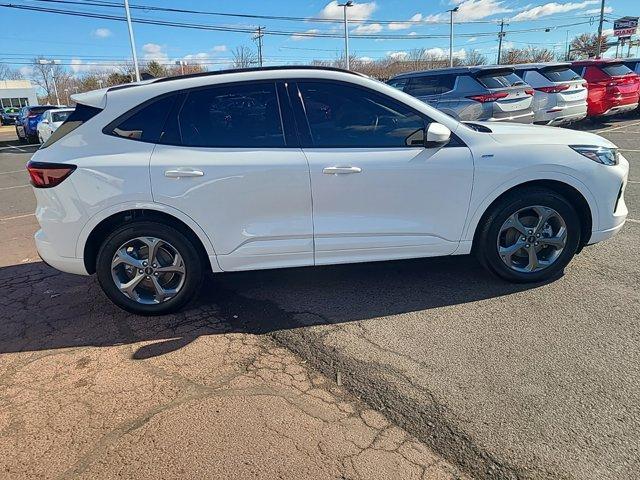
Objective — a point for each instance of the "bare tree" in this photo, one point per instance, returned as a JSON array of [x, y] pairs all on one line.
[[586, 45], [8, 73], [156, 70], [474, 57], [526, 55], [244, 57]]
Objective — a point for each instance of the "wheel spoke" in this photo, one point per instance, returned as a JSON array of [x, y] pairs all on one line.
[[153, 244], [176, 267], [514, 222], [122, 256], [507, 252], [534, 263], [162, 293], [544, 214], [129, 288]]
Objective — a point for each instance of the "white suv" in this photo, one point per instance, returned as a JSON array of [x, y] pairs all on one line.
[[151, 184]]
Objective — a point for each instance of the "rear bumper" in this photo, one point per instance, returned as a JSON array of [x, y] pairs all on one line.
[[619, 109], [53, 259], [562, 115], [517, 117]]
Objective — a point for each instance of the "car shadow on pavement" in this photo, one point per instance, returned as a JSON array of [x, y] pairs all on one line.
[[43, 309]]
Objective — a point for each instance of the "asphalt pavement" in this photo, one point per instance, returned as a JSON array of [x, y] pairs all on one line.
[[506, 381]]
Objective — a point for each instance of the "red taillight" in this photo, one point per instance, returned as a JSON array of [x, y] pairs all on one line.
[[488, 97], [47, 175], [529, 91], [554, 89]]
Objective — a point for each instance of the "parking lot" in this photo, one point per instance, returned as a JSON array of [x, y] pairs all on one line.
[[439, 366]]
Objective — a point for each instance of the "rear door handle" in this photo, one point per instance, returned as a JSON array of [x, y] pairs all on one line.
[[341, 170], [183, 172]]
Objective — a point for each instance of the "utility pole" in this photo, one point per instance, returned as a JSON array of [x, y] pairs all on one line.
[[346, 31], [451, 12], [500, 37], [131, 39], [51, 63], [258, 37], [599, 39], [567, 48]]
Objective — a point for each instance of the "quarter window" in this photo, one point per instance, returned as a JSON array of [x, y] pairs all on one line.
[[242, 115], [344, 116], [145, 124]]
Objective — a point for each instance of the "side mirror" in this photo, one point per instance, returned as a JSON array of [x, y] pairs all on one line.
[[44, 120], [438, 135]]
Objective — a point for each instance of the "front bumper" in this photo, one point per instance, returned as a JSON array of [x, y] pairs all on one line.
[[52, 258]]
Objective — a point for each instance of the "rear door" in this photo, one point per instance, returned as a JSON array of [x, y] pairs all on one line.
[[426, 88], [514, 96], [228, 159]]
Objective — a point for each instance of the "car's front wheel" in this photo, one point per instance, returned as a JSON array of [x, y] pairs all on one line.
[[149, 268], [530, 235]]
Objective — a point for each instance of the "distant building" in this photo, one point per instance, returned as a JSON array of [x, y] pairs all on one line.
[[17, 93]]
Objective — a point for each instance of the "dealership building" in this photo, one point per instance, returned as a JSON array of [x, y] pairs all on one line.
[[17, 93]]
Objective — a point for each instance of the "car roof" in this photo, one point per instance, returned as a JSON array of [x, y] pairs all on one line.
[[599, 61], [540, 66], [455, 70], [63, 109], [631, 60]]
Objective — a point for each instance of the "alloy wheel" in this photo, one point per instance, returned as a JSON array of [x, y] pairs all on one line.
[[148, 270], [532, 239]]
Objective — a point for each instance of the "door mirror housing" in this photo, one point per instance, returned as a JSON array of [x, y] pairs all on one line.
[[438, 135]]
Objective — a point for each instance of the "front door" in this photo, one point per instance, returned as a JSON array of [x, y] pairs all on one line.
[[226, 160], [377, 192]]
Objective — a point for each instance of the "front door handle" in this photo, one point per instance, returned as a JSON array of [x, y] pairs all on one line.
[[341, 170], [183, 172]]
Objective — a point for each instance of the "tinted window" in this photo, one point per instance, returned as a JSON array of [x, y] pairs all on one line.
[[616, 69], [433, 85], [80, 114], [398, 83], [244, 115], [145, 123], [560, 74], [500, 79], [60, 116], [36, 110], [345, 116]]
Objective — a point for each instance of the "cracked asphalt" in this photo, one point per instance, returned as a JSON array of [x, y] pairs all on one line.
[[439, 365]]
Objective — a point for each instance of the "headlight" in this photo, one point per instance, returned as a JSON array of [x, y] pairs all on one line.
[[603, 155]]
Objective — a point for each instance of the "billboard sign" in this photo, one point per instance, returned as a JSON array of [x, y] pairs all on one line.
[[625, 27]]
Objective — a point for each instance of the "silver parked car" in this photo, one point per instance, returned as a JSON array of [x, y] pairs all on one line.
[[481, 93], [560, 93]]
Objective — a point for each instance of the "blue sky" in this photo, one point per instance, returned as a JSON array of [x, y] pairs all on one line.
[[83, 44]]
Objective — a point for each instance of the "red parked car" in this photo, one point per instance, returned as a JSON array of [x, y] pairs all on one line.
[[613, 87]]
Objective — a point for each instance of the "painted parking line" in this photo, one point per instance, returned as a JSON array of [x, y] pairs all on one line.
[[628, 150], [6, 219], [17, 186], [15, 147], [633, 220], [13, 171], [611, 129]]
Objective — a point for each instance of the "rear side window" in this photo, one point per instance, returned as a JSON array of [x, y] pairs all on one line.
[[433, 85], [560, 74], [616, 69], [500, 79], [398, 83], [60, 116], [80, 115], [241, 115], [145, 122]]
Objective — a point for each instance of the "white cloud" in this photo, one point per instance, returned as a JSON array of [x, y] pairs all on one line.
[[197, 58], [359, 11], [405, 25], [469, 10], [472, 39], [368, 29], [551, 9], [153, 51], [219, 48], [78, 66], [308, 35], [101, 33], [412, 34], [366, 59], [596, 11], [26, 71], [397, 55]]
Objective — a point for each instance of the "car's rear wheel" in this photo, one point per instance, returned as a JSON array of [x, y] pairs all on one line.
[[530, 235], [149, 268]]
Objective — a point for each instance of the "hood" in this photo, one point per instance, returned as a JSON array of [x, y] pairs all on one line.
[[518, 134]]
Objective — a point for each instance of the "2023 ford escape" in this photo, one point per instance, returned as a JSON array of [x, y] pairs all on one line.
[[149, 185]]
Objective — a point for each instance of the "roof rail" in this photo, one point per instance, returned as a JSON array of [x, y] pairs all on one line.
[[255, 69]]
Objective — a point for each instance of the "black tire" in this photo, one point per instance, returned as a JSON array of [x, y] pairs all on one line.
[[31, 139], [485, 246], [183, 245]]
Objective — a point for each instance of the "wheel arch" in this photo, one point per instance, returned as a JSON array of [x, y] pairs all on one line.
[[573, 195], [95, 234]]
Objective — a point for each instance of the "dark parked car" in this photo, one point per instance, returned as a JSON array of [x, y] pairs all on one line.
[[27, 122], [8, 115], [487, 92], [633, 64]]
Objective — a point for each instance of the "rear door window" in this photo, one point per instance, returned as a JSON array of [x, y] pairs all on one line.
[[560, 74], [616, 69], [240, 115], [399, 83], [500, 79], [431, 85]]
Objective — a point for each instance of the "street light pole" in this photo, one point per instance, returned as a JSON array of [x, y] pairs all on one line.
[[599, 39], [133, 42], [42, 61], [346, 31], [451, 12], [500, 37]]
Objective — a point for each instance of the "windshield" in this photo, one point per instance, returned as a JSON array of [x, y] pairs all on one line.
[[38, 110], [60, 116], [616, 70], [500, 79], [560, 74]]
